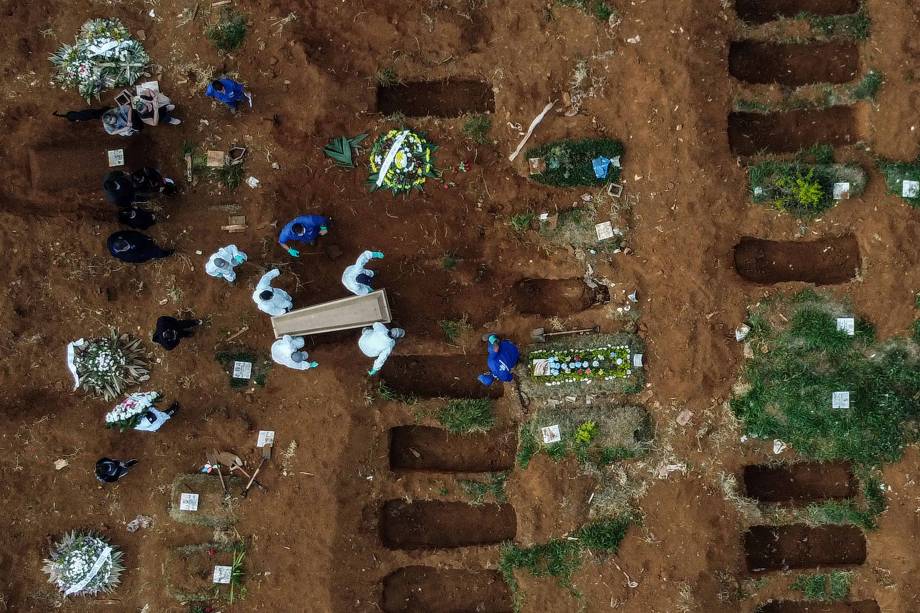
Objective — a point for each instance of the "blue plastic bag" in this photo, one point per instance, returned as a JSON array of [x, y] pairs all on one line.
[[601, 167]]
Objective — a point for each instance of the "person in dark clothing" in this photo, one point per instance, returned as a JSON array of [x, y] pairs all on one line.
[[134, 247], [119, 188], [110, 471], [136, 218], [150, 183], [170, 331]]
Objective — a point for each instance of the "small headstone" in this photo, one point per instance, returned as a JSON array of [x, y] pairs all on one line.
[[252, 182], [741, 332], [116, 157], [840, 400], [778, 446], [551, 434], [615, 162], [242, 370], [222, 574], [841, 191], [266, 437], [537, 165], [614, 190], [188, 502], [216, 159], [847, 324], [540, 367], [910, 189], [604, 230], [637, 360], [758, 191], [61, 464]]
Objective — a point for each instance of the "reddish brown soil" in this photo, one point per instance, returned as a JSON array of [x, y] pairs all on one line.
[[422, 589], [760, 11], [314, 536], [552, 297], [434, 376], [424, 448], [823, 262], [801, 482], [793, 64], [787, 131], [788, 606], [433, 524], [448, 98], [799, 546]]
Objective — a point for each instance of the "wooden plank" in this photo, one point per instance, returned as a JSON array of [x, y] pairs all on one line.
[[342, 314]]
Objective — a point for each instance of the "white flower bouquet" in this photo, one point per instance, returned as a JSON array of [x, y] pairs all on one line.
[[103, 56], [106, 366], [131, 410], [83, 564]]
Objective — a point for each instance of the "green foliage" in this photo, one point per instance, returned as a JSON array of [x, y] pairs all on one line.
[[835, 586], [896, 172], [449, 261], [465, 415], [561, 558], [342, 150], [528, 447], [231, 175], [476, 128], [916, 334], [237, 574], [801, 192], [795, 369], [229, 32], [454, 329], [521, 222], [586, 432], [868, 87], [569, 162], [821, 153], [855, 25], [388, 393], [840, 512], [480, 491], [599, 8], [744, 105], [387, 77]]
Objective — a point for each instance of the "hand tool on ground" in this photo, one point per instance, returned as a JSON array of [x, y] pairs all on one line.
[[231, 461], [253, 478], [540, 336]]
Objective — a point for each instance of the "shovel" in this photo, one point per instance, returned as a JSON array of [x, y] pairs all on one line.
[[232, 461], [540, 336]]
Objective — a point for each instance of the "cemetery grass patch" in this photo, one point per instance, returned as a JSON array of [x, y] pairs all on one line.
[[799, 361], [802, 190], [895, 173], [465, 415], [490, 490], [829, 587], [229, 32], [569, 162], [260, 366]]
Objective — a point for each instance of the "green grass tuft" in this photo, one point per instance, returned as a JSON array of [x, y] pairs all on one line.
[[454, 329], [521, 222], [855, 25], [568, 162], [476, 128], [465, 415], [388, 393], [833, 586], [229, 32], [482, 491], [387, 77], [868, 88], [528, 447]]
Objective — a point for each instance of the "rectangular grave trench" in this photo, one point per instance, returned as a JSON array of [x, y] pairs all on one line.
[[790, 131], [439, 376], [429, 524], [811, 606], [822, 262], [424, 589], [793, 64], [556, 297], [762, 11], [802, 482], [799, 546], [81, 163], [435, 449], [447, 98]]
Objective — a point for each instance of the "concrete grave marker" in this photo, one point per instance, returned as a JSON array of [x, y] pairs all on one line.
[[847, 324], [266, 437], [910, 189], [841, 191], [637, 360], [116, 157], [188, 502], [604, 230], [840, 400], [551, 434], [222, 574], [242, 370]]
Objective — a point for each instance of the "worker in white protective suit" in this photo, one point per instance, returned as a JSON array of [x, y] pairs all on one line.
[[288, 351], [377, 342], [357, 278], [222, 263], [270, 299]]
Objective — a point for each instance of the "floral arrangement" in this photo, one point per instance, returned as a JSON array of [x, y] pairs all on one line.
[[83, 564], [103, 56], [558, 366], [130, 411], [106, 366], [401, 161]]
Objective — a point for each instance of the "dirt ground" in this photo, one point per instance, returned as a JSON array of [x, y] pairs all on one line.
[[315, 540]]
